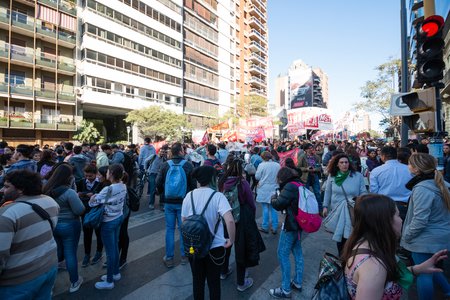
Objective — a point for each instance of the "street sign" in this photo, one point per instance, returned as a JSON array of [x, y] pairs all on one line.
[[398, 108]]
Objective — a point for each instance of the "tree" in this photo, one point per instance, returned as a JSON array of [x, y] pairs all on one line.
[[251, 106], [377, 93], [87, 133], [159, 123]]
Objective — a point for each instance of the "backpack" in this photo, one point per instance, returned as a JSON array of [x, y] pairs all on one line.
[[133, 199], [44, 170], [128, 164], [175, 185], [331, 284], [197, 238], [232, 195], [308, 217]]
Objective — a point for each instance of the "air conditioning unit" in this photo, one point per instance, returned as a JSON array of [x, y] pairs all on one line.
[[78, 91]]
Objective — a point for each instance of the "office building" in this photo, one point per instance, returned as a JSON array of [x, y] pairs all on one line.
[[37, 70]]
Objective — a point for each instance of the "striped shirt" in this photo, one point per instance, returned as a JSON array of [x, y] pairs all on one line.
[[27, 247]]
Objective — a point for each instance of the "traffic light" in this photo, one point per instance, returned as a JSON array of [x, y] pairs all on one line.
[[423, 104], [429, 52]]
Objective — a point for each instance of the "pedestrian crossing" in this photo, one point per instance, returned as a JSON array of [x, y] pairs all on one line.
[[146, 277]]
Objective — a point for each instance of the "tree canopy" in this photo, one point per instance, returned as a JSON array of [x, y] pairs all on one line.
[[87, 133], [159, 123]]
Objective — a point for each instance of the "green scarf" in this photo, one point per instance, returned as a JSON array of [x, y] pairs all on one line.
[[406, 278], [340, 177]]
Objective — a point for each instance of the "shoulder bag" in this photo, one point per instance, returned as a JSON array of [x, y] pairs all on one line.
[[93, 219], [350, 207]]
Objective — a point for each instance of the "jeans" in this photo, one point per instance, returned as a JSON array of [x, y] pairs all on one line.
[[290, 241], [151, 188], [172, 213], [110, 237], [425, 282], [67, 235], [313, 181], [206, 268], [265, 217], [124, 239], [39, 288]]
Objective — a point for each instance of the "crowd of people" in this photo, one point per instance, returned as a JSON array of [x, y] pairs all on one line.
[[379, 201]]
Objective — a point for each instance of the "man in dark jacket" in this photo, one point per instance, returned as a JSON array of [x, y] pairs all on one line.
[[172, 206]]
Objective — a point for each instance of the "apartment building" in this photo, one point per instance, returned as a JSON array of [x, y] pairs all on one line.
[[302, 86], [252, 48], [37, 70], [208, 59], [131, 57]]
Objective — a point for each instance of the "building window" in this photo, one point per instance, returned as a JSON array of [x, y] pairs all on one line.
[[16, 78]]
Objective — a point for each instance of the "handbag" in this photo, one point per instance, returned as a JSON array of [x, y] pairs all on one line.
[[331, 284], [93, 219], [351, 209]]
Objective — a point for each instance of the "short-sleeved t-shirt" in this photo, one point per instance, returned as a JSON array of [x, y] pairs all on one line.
[[217, 206]]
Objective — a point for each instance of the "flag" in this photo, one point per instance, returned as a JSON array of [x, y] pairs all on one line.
[[205, 138]]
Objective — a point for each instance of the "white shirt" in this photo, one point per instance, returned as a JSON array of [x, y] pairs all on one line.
[[217, 206]]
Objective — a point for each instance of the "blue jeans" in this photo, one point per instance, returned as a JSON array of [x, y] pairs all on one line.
[[110, 237], [265, 217], [39, 288], [290, 241], [313, 181], [151, 188], [425, 282], [67, 235], [172, 213]]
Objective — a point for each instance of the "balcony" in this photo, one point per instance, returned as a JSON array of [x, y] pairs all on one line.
[[258, 81], [17, 123], [4, 16], [67, 65], [255, 57], [68, 39], [258, 23], [51, 3], [259, 92], [23, 21], [46, 60], [3, 87], [66, 126], [254, 10], [21, 90], [22, 54], [41, 124], [260, 4], [68, 7], [257, 47], [66, 96], [45, 93], [45, 31], [255, 33], [4, 50], [258, 69]]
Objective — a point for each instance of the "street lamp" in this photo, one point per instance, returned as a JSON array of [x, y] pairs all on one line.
[[128, 133]]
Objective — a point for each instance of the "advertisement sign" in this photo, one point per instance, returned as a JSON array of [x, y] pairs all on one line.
[[301, 90], [309, 118], [256, 123]]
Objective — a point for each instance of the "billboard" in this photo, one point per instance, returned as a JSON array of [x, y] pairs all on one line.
[[300, 89], [309, 118]]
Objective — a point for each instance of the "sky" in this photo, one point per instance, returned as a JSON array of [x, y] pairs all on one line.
[[346, 39]]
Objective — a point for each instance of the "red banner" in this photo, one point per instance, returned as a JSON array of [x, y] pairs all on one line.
[[292, 154]]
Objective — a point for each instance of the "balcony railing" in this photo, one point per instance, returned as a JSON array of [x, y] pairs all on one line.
[[258, 68], [3, 87], [52, 3], [46, 60], [258, 92], [45, 93], [258, 11], [258, 57], [21, 53], [41, 29], [4, 16], [258, 22], [68, 7], [70, 38], [66, 65], [258, 46], [24, 90], [66, 96], [258, 34], [259, 80], [22, 20]]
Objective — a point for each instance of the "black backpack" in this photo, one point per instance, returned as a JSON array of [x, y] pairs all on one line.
[[128, 164], [197, 238], [133, 199]]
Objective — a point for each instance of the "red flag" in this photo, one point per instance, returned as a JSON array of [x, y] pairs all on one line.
[[292, 154], [205, 138]]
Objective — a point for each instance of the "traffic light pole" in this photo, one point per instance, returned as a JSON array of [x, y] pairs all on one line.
[[404, 70], [439, 127]]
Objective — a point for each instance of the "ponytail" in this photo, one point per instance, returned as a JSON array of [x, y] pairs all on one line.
[[439, 179]]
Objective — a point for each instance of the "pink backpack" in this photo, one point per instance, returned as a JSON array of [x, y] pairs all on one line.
[[308, 217]]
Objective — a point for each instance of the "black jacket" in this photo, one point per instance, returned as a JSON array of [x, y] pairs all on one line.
[[288, 200], [248, 243], [161, 179]]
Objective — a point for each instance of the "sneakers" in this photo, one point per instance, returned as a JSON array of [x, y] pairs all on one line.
[[62, 265], [296, 286], [76, 286], [115, 277], [86, 261], [151, 206], [104, 285], [122, 264], [224, 276], [184, 260], [248, 282], [97, 257], [168, 262], [279, 293]]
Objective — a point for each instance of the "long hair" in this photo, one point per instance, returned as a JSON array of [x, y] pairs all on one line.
[[61, 176], [234, 168], [374, 215], [333, 164], [426, 164]]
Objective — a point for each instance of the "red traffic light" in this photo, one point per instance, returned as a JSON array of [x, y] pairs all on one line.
[[432, 25]]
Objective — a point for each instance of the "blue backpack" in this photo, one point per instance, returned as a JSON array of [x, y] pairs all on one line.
[[176, 182]]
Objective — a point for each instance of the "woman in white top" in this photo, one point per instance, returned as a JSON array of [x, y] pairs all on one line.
[[208, 267], [114, 197], [266, 174]]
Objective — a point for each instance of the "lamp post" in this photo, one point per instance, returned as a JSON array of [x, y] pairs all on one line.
[[128, 133]]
